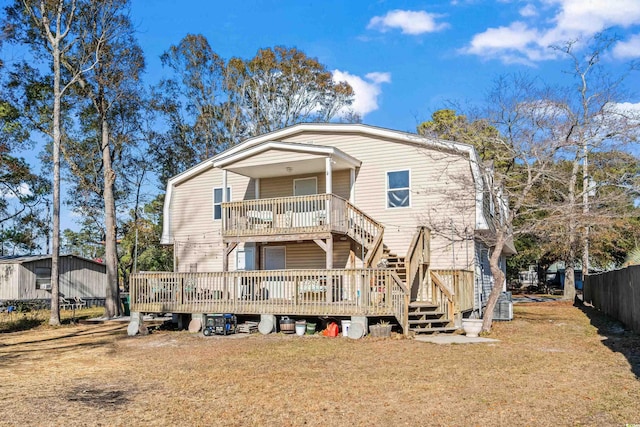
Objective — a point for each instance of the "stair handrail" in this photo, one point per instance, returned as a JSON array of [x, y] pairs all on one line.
[[418, 247], [401, 306], [375, 252], [358, 220], [440, 286]]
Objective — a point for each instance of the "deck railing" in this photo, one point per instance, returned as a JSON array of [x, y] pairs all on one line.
[[317, 213], [458, 283], [338, 292], [285, 215]]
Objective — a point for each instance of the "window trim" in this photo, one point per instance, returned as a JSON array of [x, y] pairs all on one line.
[[213, 214], [315, 178], [42, 280], [387, 189]]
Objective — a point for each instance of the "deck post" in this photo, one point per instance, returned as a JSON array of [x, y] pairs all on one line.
[[352, 186], [329, 178], [225, 257], [329, 263]]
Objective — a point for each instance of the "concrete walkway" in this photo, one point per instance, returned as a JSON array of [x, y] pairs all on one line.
[[453, 339]]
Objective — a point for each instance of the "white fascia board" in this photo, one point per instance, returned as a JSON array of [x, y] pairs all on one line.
[[165, 237], [251, 151]]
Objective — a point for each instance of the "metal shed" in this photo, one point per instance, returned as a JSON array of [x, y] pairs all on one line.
[[29, 277]]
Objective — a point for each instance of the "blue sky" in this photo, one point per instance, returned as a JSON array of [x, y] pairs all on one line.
[[404, 59]]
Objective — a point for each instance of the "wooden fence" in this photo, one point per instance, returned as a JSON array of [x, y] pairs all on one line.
[[617, 294]]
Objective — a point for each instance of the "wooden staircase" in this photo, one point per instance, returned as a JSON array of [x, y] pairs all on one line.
[[424, 317]]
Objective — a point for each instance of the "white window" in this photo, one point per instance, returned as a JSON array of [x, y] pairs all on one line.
[[217, 201], [398, 189], [43, 278]]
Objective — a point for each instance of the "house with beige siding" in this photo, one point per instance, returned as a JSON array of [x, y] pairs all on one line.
[[328, 220]]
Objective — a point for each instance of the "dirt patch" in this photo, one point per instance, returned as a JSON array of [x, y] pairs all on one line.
[[99, 398]]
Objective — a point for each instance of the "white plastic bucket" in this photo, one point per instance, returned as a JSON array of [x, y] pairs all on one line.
[[346, 324], [301, 328]]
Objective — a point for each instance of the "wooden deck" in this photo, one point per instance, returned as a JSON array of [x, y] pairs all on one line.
[[335, 292]]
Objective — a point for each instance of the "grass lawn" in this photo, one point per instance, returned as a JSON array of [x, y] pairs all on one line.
[[555, 364]]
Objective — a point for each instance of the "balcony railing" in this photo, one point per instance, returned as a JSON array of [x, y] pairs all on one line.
[[336, 292], [318, 213]]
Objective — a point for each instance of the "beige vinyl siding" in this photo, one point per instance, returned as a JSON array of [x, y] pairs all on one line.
[[308, 254], [441, 191], [196, 235], [275, 156], [442, 198], [282, 186]]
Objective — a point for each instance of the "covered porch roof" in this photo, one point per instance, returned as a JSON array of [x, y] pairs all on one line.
[[274, 158]]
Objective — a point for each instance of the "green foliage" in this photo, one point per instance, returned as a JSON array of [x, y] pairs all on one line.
[[448, 125], [87, 243], [151, 256], [209, 104]]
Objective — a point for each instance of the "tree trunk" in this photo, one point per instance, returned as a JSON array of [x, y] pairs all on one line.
[[112, 292], [498, 280], [54, 319], [572, 237]]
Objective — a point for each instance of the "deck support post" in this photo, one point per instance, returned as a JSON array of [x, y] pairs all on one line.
[[329, 262], [228, 247]]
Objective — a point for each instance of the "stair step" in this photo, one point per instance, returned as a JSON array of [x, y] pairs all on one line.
[[422, 304], [424, 321], [426, 313], [431, 330]]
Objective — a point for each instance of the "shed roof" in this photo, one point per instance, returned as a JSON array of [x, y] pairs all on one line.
[[22, 259]]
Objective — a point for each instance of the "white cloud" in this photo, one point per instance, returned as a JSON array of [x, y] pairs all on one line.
[[409, 21], [366, 90], [628, 110], [628, 49], [528, 40], [22, 190], [528, 10]]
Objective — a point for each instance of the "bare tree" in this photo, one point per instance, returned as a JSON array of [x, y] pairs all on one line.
[[519, 143], [594, 123], [112, 87]]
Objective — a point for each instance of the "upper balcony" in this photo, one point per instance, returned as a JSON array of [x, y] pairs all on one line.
[[297, 217]]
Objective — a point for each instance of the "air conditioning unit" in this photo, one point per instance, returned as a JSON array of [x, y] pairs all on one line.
[[504, 307], [45, 286], [503, 310]]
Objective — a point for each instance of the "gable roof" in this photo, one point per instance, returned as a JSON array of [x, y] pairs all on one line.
[[220, 159]]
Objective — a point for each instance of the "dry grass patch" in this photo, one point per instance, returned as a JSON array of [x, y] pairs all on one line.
[[33, 319], [551, 367]]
